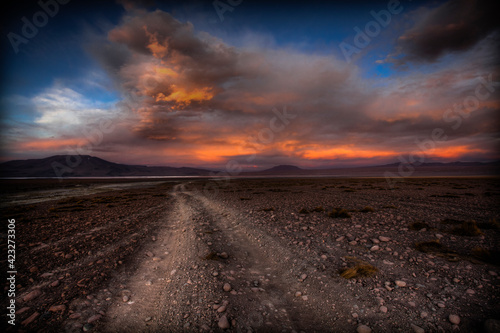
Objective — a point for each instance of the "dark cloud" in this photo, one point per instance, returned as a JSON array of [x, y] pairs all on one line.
[[453, 26]]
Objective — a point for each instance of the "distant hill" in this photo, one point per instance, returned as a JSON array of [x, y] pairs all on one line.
[[87, 166], [90, 166]]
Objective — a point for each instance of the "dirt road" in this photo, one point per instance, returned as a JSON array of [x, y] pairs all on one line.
[[208, 266]]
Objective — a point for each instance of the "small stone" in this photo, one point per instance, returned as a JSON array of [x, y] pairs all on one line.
[[417, 329], [298, 294], [55, 283], [94, 318], [412, 304], [223, 322], [400, 283], [374, 248], [125, 298], [32, 295], [454, 319], [441, 305], [223, 255], [303, 277], [383, 309], [363, 329], [215, 273], [227, 287], [354, 315], [57, 308], [424, 314], [148, 319], [221, 309], [470, 291], [75, 315], [305, 298], [384, 239], [30, 319], [33, 269], [492, 273], [156, 258], [88, 327], [45, 275], [173, 272], [68, 256], [149, 282], [149, 253]]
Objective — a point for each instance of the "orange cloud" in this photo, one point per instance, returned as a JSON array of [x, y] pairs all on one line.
[[51, 144]]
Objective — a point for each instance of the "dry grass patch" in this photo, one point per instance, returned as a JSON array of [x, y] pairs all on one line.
[[339, 213], [418, 226], [467, 228], [358, 269], [367, 209]]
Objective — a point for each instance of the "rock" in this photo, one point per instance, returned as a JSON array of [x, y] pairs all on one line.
[[363, 329], [68, 256], [354, 315], [215, 273], [30, 319], [55, 283], [75, 315], [221, 309], [125, 298], [375, 248], [400, 283], [22, 310], [492, 326], [227, 287], [149, 253], [156, 258], [412, 304], [303, 277], [384, 239], [32, 295], [223, 255], [223, 322], [33, 269], [88, 327], [298, 294], [149, 282], [492, 273], [417, 329], [148, 319], [470, 291], [423, 314], [57, 308], [94, 318], [383, 309], [45, 275], [454, 319]]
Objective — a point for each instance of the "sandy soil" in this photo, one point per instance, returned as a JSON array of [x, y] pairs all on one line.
[[262, 255]]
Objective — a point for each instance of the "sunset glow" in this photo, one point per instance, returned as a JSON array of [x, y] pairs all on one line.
[[183, 87]]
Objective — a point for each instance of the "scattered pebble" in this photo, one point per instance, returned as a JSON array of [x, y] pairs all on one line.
[[454, 319], [223, 322], [227, 287], [400, 283], [363, 329]]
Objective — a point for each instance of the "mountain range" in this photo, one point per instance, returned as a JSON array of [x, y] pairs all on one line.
[[90, 166]]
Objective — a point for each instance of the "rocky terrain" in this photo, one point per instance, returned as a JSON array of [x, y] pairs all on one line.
[[262, 255]]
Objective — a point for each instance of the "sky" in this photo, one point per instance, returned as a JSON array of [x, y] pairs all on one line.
[[214, 83]]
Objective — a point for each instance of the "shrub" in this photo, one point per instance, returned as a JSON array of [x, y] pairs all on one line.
[[339, 213], [358, 270], [418, 226], [367, 209], [467, 228]]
